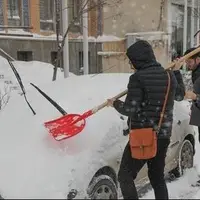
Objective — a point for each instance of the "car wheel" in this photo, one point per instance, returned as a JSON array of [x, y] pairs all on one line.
[[102, 187], [186, 158]]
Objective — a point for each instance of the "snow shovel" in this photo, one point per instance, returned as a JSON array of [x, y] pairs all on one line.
[[72, 124]]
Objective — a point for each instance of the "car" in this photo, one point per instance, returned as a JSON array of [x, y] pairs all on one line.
[[34, 165]]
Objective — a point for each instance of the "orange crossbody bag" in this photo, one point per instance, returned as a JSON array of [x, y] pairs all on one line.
[[143, 142]]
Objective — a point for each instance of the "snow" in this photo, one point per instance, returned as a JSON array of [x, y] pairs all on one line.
[[33, 71], [27, 35], [181, 188], [30, 72], [35, 36], [103, 38], [106, 38], [110, 53], [150, 36], [33, 165]]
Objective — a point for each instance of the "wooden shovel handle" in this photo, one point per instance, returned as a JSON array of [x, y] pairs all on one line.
[[94, 110], [192, 53], [171, 65]]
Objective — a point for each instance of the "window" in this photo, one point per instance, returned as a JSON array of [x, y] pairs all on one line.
[[25, 55], [47, 14], [13, 8], [177, 30], [75, 8]]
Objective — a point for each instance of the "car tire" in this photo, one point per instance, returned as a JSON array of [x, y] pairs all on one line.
[[102, 187], [186, 158]]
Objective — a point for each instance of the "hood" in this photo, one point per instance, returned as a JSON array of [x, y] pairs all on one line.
[[141, 55]]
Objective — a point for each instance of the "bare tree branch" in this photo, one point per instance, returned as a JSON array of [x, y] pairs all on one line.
[[4, 97], [91, 4]]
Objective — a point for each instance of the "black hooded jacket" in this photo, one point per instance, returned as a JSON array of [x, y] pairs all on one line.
[[146, 91], [196, 74], [195, 109]]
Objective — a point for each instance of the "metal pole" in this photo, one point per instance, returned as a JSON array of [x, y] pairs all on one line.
[[169, 30], [22, 13], [66, 45], [192, 24], [198, 21], [85, 39], [185, 27]]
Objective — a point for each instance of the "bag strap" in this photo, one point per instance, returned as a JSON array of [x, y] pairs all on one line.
[[165, 102]]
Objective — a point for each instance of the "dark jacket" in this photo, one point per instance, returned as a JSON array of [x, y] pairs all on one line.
[[146, 91], [196, 83], [196, 74], [195, 109]]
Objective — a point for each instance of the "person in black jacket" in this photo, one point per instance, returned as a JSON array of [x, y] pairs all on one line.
[[143, 104], [193, 64]]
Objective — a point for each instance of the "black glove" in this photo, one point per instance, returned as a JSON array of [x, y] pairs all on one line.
[[125, 132]]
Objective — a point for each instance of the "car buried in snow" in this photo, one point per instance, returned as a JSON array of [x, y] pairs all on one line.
[[34, 165]]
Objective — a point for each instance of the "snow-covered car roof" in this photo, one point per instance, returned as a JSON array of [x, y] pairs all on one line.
[[33, 164]]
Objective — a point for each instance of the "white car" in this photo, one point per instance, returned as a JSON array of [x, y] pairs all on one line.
[[34, 165]]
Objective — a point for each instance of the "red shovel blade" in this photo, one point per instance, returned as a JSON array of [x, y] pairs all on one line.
[[66, 126]]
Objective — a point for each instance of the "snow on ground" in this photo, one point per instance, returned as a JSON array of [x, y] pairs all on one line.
[[25, 145], [181, 188]]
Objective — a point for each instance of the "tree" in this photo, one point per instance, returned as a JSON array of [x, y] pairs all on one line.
[[84, 6]]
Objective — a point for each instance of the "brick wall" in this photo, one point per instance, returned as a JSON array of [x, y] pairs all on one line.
[[92, 21], [35, 16]]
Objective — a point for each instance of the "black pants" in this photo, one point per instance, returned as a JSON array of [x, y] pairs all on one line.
[[199, 133], [130, 167]]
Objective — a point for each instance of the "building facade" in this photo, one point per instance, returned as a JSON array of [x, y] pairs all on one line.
[[28, 30]]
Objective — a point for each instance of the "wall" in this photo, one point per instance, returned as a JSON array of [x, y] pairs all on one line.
[[134, 16], [42, 51], [115, 60]]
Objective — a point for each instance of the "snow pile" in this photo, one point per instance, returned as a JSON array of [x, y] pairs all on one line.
[[33, 165], [103, 38], [36, 72], [107, 38], [33, 71], [150, 36], [27, 35]]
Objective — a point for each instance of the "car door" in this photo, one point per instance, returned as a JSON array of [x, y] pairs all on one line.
[[177, 136]]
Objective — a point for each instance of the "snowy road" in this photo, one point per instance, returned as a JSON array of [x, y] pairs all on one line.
[[178, 189], [181, 188]]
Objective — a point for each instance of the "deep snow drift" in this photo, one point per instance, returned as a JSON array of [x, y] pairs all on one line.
[[26, 146]]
